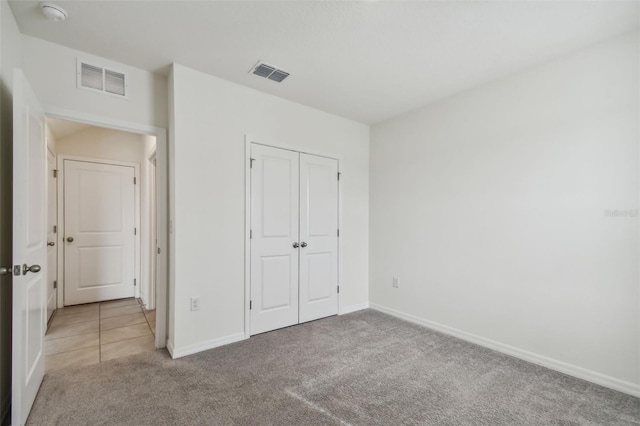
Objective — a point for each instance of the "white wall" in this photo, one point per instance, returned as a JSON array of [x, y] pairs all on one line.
[[51, 70], [211, 117], [108, 144], [490, 208], [103, 143], [10, 57], [51, 140]]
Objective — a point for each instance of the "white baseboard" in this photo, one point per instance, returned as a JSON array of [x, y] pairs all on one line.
[[5, 409], [203, 346], [553, 364], [353, 308], [170, 348]]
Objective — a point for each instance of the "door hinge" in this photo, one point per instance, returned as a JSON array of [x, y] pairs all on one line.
[[55, 173], [251, 160], [135, 282], [339, 175], [55, 229], [55, 284], [135, 231], [158, 250], [338, 233], [250, 304], [134, 181], [338, 289], [250, 233]]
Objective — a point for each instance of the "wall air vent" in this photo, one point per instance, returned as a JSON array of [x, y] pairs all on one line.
[[269, 71], [100, 79]]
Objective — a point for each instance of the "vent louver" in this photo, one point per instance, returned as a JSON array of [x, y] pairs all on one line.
[[269, 71], [91, 77], [99, 79], [114, 82]]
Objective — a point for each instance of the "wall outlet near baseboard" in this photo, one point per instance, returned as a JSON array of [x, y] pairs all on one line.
[[396, 282], [195, 303]]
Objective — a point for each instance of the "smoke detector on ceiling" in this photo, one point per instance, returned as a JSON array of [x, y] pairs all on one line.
[[271, 72], [53, 12]]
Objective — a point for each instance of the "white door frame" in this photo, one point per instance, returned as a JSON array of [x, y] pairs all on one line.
[[162, 201], [62, 223], [248, 140], [152, 254], [57, 225]]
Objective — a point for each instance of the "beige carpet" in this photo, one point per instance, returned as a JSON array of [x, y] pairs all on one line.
[[366, 368]]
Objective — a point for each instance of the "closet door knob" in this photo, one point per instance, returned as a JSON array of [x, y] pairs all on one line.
[[303, 245], [296, 245]]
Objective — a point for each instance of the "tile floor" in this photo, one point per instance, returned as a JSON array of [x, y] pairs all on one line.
[[89, 334]]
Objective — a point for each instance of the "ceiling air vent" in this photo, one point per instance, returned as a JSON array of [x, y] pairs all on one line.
[[99, 79], [269, 71]]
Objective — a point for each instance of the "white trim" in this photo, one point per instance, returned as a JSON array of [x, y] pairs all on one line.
[[248, 140], [553, 364], [204, 346], [247, 240], [170, 348], [353, 308], [99, 121], [162, 188]]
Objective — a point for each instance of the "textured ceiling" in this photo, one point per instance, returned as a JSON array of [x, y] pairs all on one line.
[[367, 61]]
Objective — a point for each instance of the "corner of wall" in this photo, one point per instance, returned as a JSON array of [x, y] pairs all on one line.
[[171, 308]]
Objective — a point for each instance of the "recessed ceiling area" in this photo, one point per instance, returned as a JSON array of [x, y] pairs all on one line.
[[367, 61]]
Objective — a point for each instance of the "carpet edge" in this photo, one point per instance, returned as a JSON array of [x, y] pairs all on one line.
[[553, 364]]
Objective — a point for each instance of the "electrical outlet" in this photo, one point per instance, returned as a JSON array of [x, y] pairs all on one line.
[[396, 282], [195, 303]]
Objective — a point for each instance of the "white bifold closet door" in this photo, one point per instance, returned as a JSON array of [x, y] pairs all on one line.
[[294, 241], [318, 237], [274, 229]]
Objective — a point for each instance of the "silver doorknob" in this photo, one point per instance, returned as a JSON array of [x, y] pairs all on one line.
[[51, 243], [32, 268], [303, 245], [70, 239], [4, 270], [296, 245]]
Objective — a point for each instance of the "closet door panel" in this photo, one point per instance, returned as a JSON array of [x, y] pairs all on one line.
[[274, 225], [318, 237]]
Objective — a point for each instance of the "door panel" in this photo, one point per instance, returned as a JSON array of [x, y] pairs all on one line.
[[318, 231], [29, 248], [274, 224], [52, 223], [99, 203]]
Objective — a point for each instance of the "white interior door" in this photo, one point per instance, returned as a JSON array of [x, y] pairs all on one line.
[[318, 237], [29, 248], [274, 228], [52, 225], [99, 218]]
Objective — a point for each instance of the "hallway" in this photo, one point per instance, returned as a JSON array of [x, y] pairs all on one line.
[[92, 333]]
